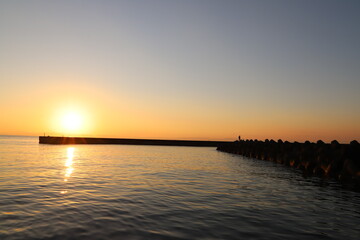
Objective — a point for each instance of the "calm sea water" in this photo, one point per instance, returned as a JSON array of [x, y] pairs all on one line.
[[155, 192]]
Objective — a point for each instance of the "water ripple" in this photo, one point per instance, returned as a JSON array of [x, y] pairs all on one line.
[[145, 192]]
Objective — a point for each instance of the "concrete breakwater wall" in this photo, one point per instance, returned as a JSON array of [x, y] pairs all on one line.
[[127, 141], [339, 161]]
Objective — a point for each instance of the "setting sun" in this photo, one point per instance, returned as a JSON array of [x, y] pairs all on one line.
[[72, 121]]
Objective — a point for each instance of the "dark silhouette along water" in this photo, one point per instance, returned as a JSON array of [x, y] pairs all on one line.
[[163, 192], [334, 160]]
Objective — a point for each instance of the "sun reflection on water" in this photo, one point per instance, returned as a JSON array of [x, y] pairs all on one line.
[[68, 164], [70, 156]]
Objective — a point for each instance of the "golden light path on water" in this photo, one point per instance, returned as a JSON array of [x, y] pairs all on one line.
[[69, 165]]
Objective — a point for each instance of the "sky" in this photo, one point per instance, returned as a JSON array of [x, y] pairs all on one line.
[[207, 70]]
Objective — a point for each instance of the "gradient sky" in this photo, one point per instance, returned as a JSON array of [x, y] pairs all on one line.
[[182, 69]]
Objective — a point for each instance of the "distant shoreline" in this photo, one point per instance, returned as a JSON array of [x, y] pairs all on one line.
[[128, 141]]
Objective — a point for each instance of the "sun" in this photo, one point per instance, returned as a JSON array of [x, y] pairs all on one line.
[[72, 122]]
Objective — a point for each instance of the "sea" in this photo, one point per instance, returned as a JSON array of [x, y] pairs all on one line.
[[163, 192]]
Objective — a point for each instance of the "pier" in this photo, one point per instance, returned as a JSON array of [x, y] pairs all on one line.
[[127, 141], [334, 160]]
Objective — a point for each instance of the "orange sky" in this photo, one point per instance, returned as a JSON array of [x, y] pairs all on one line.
[[105, 114]]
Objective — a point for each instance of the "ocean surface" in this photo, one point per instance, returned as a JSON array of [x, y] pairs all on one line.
[[163, 192]]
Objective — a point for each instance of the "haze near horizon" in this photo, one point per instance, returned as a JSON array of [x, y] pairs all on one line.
[[208, 70]]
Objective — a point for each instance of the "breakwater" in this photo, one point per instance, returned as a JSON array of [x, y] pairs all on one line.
[[127, 141], [334, 160]]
